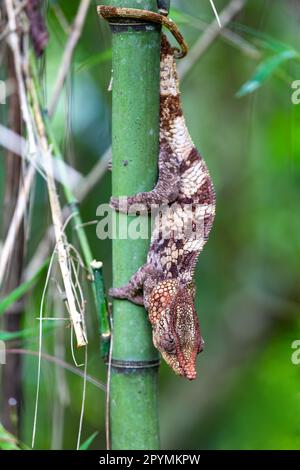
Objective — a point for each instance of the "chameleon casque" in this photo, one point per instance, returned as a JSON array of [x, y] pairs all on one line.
[[164, 285]]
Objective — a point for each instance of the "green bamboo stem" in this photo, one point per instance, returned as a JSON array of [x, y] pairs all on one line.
[[135, 129]]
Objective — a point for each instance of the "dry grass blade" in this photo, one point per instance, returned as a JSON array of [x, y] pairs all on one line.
[[60, 363]]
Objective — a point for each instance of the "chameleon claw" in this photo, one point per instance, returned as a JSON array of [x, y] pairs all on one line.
[[116, 292], [127, 294]]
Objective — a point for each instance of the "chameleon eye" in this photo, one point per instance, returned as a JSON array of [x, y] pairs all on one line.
[[171, 349], [168, 344]]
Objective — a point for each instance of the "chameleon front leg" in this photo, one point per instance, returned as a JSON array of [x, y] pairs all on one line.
[[133, 290], [165, 191]]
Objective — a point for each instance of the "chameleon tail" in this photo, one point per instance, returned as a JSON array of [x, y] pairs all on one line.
[[173, 131]]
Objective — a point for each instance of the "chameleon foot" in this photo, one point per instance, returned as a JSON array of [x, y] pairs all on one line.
[[127, 293]]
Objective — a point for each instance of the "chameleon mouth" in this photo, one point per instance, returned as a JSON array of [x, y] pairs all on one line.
[[182, 368], [190, 372], [187, 369]]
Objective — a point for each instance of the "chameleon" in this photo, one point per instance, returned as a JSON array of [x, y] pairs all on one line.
[[164, 284]]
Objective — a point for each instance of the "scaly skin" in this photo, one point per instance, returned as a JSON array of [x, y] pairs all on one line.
[[184, 188]]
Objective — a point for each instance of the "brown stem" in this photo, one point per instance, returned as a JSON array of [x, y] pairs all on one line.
[[12, 391]]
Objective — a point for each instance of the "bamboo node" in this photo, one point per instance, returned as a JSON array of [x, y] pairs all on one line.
[[123, 364]]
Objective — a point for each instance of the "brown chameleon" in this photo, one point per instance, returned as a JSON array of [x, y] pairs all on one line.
[[164, 285]]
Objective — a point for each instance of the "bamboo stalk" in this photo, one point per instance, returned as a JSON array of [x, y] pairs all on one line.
[[135, 127]]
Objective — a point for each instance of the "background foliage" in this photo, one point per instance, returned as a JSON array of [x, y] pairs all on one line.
[[247, 392]]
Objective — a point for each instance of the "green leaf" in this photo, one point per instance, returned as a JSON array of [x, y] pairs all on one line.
[[95, 59], [7, 440], [13, 296], [265, 70], [179, 16], [26, 332], [263, 39], [86, 444], [20, 334]]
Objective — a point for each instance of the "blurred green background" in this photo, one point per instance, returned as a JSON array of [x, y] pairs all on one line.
[[247, 393]]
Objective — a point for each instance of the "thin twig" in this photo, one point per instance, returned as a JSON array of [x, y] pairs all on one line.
[[63, 393], [107, 397], [68, 53], [17, 144], [83, 399], [209, 35], [230, 36], [240, 43], [14, 43], [37, 395], [16, 221], [18, 10], [216, 13], [60, 363], [61, 18]]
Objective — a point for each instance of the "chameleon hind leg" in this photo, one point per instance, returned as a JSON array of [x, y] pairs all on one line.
[[165, 191]]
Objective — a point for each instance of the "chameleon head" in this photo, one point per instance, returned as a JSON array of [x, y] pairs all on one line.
[[176, 331]]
